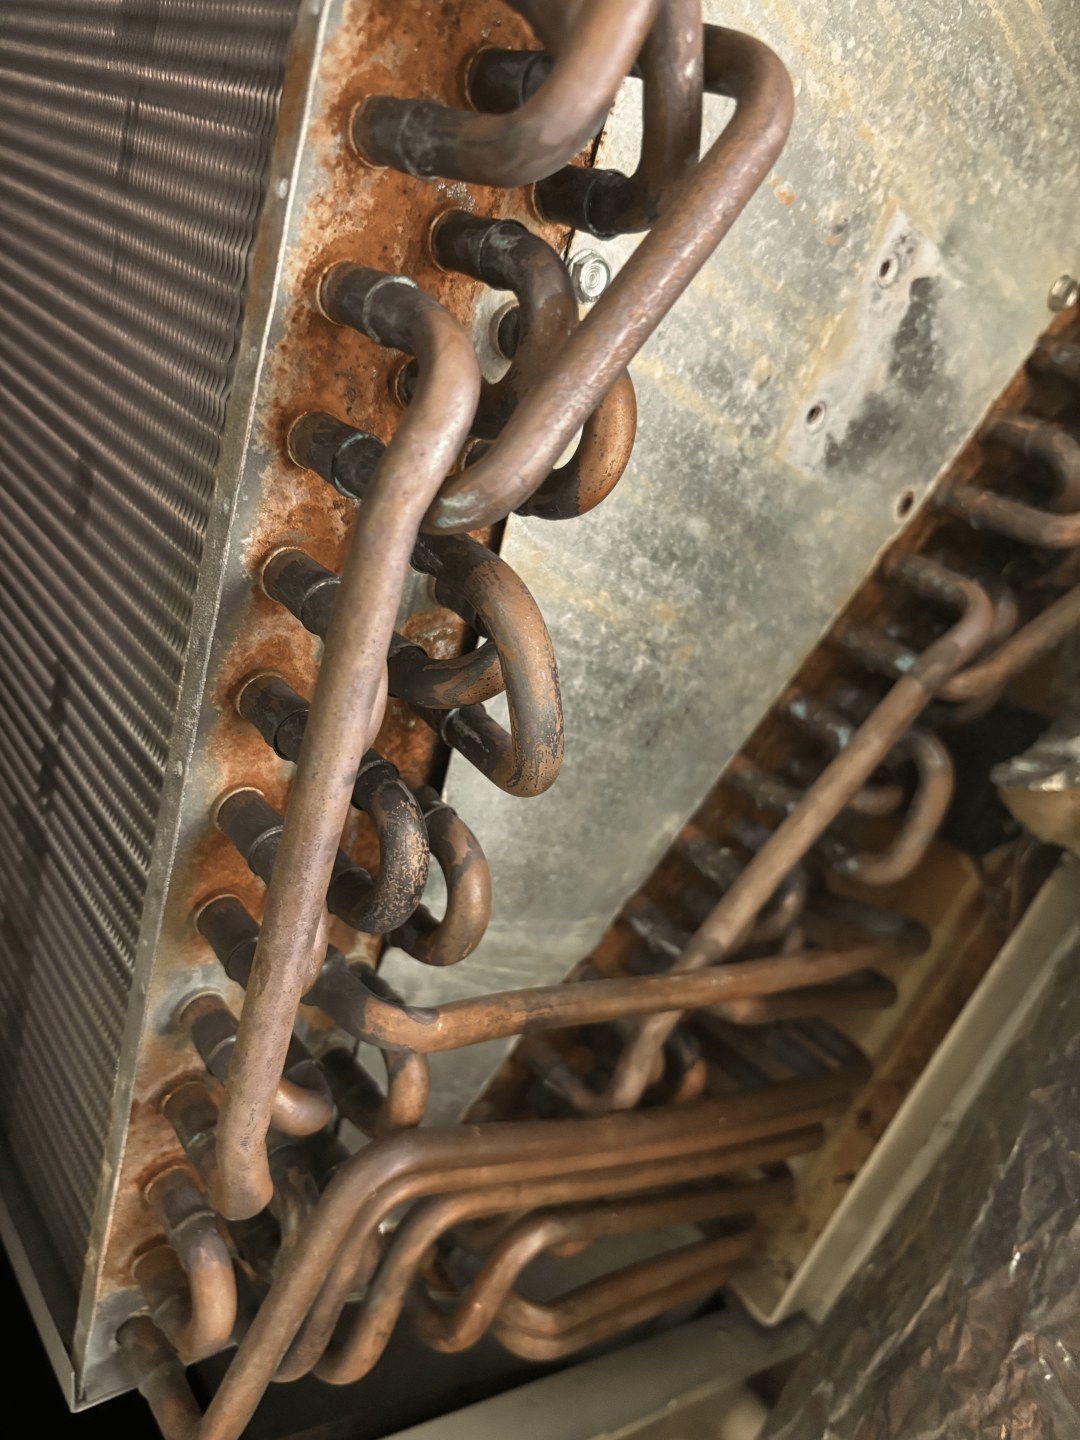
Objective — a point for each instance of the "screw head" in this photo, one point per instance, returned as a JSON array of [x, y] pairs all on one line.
[[1064, 293], [591, 275]]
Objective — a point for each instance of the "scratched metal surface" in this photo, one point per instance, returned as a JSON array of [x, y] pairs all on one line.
[[936, 133]]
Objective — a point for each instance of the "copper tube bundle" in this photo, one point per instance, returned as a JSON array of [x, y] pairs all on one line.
[[774, 957]]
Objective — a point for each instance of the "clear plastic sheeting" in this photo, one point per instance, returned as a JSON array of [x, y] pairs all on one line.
[[965, 1323]]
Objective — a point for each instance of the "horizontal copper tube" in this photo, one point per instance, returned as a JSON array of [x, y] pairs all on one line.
[[348, 1360], [542, 1230], [344, 709], [722, 931], [584, 370], [198, 1316], [356, 1007], [606, 203], [872, 992], [422, 137], [468, 891]]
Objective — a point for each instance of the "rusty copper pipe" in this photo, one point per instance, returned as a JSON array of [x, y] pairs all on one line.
[[630, 1297], [468, 891], [153, 1365], [506, 256], [701, 213], [543, 1230], [422, 137], [1043, 440], [212, 1026], [345, 1362], [607, 203], [344, 708], [722, 932], [927, 810], [357, 1008], [984, 509], [199, 1317], [296, 1195]]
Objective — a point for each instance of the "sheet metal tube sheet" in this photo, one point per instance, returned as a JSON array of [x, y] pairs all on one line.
[[344, 712]]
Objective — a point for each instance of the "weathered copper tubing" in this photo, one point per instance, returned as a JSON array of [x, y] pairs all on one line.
[[345, 706], [422, 137], [347, 1361], [722, 932], [505, 255], [871, 992], [1018, 652], [155, 1368], [468, 891], [1043, 440], [927, 810], [984, 509], [607, 203], [700, 215], [295, 1192], [193, 1115], [704, 1268], [199, 1318], [309, 590], [1057, 358], [356, 1007], [212, 1026], [586, 1221], [254, 827], [835, 730]]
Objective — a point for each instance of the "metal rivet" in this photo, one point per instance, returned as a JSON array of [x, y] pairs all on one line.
[[1064, 293], [591, 275], [888, 271], [815, 416]]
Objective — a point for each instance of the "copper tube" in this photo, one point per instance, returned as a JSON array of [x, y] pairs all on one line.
[[295, 1193], [200, 1322], [1043, 440], [153, 1365], [984, 509], [193, 1115], [707, 1272], [700, 215], [607, 203], [1057, 358], [422, 137], [835, 731], [868, 991], [212, 1026], [343, 994], [722, 931], [468, 891], [543, 1230], [1025, 647], [928, 807], [345, 705], [506, 256], [401, 1166], [347, 1361]]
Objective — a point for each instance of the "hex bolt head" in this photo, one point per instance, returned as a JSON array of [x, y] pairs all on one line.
[[1064, 293], [591, 275]]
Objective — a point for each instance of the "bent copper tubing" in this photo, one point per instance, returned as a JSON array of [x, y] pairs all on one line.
[[422, 137], [309, 590], [922, 821], [705, 1266], [835, 731], [607, 203], [983, 509], [197, 1317], [356, 1007], [722, 932], [361, 1100], [295, 1193], [376, 907], [506, 256], [153, 1365], [346, 1361], [1043, 440], [700, 215], [468, 891], [412, 1163], [297, 1109], [345, 707], [193, 1115], [543, 1230]]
